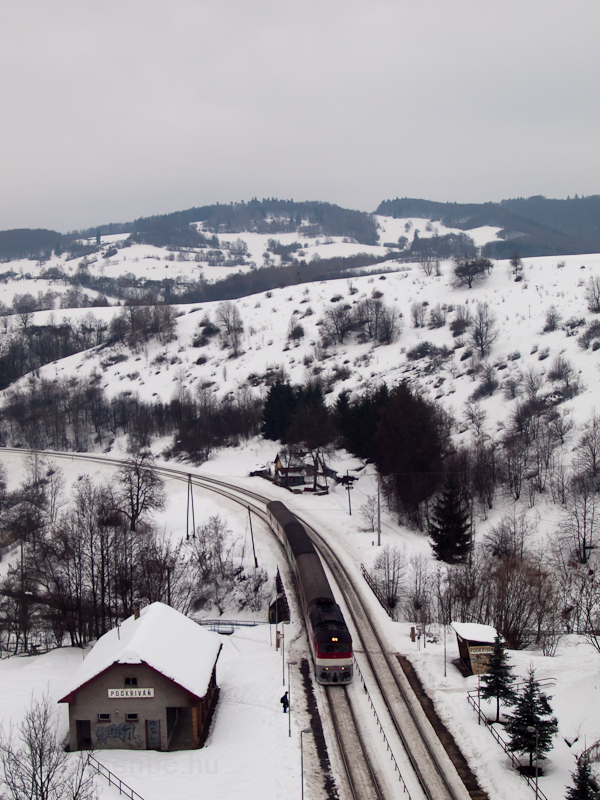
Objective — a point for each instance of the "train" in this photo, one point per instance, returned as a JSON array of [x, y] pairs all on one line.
[[328, 636]]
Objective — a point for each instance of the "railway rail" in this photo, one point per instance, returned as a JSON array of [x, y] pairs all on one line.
[[435, 773]]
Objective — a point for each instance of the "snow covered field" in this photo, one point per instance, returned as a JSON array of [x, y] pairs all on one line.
[[249, 751]]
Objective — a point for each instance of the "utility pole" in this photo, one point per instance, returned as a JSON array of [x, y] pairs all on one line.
[[252, 537], [290, 664], [190, 502], [348, 480], [378, 510]]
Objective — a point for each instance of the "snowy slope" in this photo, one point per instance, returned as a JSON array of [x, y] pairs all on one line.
[[158, 371]]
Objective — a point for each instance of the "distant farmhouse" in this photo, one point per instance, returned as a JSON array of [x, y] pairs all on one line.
[[149, 684], [289, 469]]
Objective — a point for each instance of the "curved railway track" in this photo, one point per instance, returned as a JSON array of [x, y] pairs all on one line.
[[432, 767]]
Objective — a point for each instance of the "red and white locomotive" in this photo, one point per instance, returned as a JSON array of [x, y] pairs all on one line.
[[329, 639]]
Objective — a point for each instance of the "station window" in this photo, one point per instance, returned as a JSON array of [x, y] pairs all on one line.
[[131, 717], [130, 681], [103, 717]]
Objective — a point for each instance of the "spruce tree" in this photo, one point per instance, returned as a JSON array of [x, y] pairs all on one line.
[[585, 786], [278, 411], [497, 682], [532, 711], [449, 525]]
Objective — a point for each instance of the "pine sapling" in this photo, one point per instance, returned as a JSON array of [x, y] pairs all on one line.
[[585, 786], [498, 680], [450, 527], [532, 711]]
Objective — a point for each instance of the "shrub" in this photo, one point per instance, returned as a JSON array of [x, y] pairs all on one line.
[[553, 318], [592, 294], [428, 350], [590, 334], [458, 327], [572, 324], [437, 317], [488, 384]]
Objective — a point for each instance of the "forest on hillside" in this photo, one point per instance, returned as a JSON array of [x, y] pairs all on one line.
[[531, 226]]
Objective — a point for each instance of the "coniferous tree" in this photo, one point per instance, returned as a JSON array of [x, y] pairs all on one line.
[[585, 786], [532, 711], [409, 442], [278, 411], [449, 527], [497, 682]]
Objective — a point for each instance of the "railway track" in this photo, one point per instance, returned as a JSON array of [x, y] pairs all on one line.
[[435, 773], [362, 781]]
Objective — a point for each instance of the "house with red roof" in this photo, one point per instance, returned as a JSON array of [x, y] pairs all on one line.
[[148, 684]]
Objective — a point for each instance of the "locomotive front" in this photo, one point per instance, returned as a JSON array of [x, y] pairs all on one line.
[[331, 644]]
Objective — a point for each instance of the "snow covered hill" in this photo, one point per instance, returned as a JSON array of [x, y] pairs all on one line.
[[545, 344]]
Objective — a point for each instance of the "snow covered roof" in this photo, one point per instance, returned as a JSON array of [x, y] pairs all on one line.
[[474, 632], [162, 638]]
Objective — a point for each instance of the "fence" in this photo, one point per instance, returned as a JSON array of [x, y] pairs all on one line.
[[385, 739], [473, 698], [13, 645], [377, 591], [112, 779], [591, 753], [227, 626]]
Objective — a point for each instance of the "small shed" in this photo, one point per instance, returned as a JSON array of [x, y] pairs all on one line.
[[149, 684], [475, 645]]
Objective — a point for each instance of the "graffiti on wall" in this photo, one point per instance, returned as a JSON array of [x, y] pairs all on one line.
[[124, 731]]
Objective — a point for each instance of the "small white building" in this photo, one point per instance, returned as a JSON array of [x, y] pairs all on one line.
[[148, 684]]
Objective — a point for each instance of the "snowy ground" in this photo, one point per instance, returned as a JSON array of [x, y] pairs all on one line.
[[267, 761], [249, 736]]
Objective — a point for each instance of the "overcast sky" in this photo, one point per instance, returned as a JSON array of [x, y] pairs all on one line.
[[115, 109]]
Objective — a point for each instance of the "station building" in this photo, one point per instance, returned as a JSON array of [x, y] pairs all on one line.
[[475, 646], [149, 684]]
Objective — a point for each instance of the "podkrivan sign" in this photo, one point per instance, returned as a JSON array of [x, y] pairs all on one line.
[[134, 692]]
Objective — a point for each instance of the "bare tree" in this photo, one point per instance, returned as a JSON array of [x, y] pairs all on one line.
[[469, 270], [553, 319], [437, 316], [390, 570], [35, 766], [475, 416], [516, 266], [337, 323], [592, 294], [228, 314], [138, 488], [368, 512], [509, 537], [512, 384], [390, 325], [588, 451], [418, 314], [561, 369], [484, 330], [533, 380], [581, 519], [418, 605], [367, 314]]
